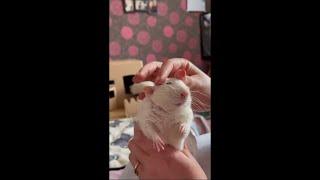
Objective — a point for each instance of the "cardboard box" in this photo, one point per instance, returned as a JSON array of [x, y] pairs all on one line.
[[119, 72], [131, 106], [112, 97], [117, 114]]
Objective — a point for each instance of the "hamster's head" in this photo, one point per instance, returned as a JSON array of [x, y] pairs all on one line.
[[171, 95]]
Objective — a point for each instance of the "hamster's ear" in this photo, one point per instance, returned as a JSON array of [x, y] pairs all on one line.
[[180, 74]]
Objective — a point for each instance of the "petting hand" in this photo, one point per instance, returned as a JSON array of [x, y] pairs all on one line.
[[198, 82], [167, 164]]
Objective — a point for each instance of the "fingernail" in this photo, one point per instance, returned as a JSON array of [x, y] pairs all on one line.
[[157, 79]]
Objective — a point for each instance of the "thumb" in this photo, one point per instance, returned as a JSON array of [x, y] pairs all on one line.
[[187, 152], [188, 80]]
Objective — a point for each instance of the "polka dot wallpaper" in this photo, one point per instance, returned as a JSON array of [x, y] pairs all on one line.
[[172, 32]]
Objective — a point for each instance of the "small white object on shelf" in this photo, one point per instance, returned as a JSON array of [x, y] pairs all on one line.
[[196, 6]]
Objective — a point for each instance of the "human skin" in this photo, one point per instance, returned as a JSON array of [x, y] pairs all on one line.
[[180, 68], [167, 164]]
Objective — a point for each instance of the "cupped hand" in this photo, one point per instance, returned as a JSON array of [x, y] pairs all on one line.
[[167, 164]]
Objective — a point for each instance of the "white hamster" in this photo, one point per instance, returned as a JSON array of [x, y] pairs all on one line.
[[165, 116]]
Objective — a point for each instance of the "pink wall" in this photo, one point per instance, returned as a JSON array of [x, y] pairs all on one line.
[[172, 32]]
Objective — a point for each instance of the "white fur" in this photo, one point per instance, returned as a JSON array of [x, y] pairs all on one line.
[[138, 87], [159, 114]]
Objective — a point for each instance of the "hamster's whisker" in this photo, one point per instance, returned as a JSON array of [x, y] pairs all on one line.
[[198, 106], [197, 100], [201, 103], [201, 97], [201, 93]]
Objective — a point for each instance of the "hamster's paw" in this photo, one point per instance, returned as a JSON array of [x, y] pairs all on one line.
[[158, 143], [182, 130]]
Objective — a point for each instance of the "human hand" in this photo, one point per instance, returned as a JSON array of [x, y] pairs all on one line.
[[167, 164], [180, 68]]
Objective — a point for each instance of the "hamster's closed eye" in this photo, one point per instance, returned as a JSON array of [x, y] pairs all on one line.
[[169, 83]]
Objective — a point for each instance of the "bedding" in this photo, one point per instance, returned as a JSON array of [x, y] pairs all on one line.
[[121, 130]]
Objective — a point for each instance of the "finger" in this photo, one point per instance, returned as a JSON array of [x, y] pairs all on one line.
[[180, 74], [153, 76], [188, 80], [186, 151], [146, 71], [139, 154], [140, 170], [171, 66], [133, 159]]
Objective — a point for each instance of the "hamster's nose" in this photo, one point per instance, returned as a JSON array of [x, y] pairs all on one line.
[[183, 95]]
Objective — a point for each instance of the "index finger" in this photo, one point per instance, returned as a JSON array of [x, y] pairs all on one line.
[[171, 66], [146, 71]]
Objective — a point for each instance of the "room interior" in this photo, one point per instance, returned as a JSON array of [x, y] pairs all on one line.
[[137, 38]]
